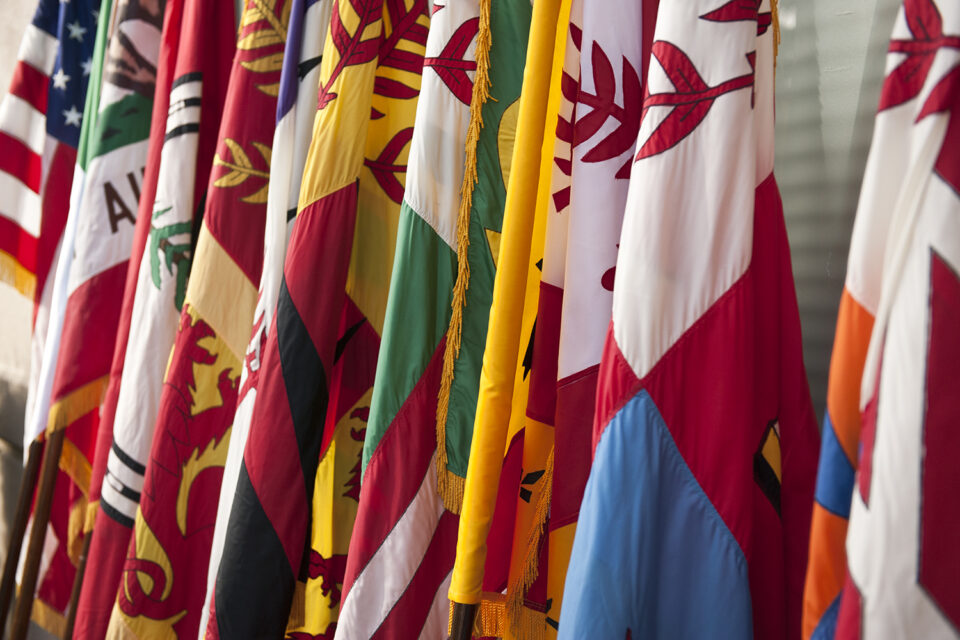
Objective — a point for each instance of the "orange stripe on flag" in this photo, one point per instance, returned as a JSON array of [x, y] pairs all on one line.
[[826, 573], [854, 324]]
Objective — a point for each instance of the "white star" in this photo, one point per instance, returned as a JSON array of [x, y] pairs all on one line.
[[76, 30], [60, 79], [64, 1], [87, 64], [72, 116]]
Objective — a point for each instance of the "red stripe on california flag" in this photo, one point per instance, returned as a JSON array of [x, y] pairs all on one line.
[[19, 160], [395, 471], [410, 612], [31, 85]]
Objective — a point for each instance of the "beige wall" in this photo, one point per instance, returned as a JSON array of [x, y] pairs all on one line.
[[15, 310]]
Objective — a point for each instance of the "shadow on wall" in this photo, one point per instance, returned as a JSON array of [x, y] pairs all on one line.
[[13, 399], [830, 70]]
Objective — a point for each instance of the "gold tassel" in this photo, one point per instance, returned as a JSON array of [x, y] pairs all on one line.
[[775, 19], [528, 627], [450, 485], [490, 616], [91, 516]]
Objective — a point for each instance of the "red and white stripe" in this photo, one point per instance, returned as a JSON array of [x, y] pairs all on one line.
[[23, 139]]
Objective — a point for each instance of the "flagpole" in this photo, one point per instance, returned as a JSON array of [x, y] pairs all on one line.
[[77, 586], [41, 517], [20, 519], [461, 620]]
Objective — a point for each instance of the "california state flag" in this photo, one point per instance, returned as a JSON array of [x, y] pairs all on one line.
[[904, 516], [695, 518], [203, 36]]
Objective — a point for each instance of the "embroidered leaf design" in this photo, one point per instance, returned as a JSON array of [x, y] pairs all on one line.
[[240, 168], [741, 11], [265, 64], [385, 166], [451, 66], [628, 116], [690, 102], [352, 48], [404, 25], [390, 88], [271, 34], [906, 80], [945, 97]]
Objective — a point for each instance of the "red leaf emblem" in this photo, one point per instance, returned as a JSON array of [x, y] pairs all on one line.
[[906, 80], [353, 49], [603, 107], [690, 102], [741, 11], [384, 167], [945, 97], [404, 26], [450, 65]]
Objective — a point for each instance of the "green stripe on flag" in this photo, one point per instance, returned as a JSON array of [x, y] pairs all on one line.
[[510, 26], [418, 313]]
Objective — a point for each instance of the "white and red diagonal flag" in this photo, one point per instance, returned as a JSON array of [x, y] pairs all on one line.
[[695, 518], [901, 545]]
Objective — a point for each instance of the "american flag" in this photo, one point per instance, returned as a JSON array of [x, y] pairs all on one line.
[[40, 122]]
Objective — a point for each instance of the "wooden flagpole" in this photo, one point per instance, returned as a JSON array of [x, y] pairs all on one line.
[[20, 518], [38, 532], [77, 586]]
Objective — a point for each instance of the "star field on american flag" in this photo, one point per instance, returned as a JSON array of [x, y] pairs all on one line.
[[75, 27]]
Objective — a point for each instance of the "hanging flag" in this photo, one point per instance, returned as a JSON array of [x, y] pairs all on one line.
[[902, 278], [95, 603], [500, 450], [40, 130], [704, 434], [320, 354], [174, 524], [199, 78], [598, 121], [296, 107], [887, 164], [104, 191], [387, 590]]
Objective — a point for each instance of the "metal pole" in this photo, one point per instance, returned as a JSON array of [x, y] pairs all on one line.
[[461, 621]]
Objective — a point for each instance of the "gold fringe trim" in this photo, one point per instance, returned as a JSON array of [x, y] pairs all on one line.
[[75, 464], [76, 404], [523, 627], [91, 516], [775, 19], [491, 617], [75, 524], [17, 276], [450, 491], [298, 608]]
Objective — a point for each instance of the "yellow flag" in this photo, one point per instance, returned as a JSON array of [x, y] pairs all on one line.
[[499, 434]]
